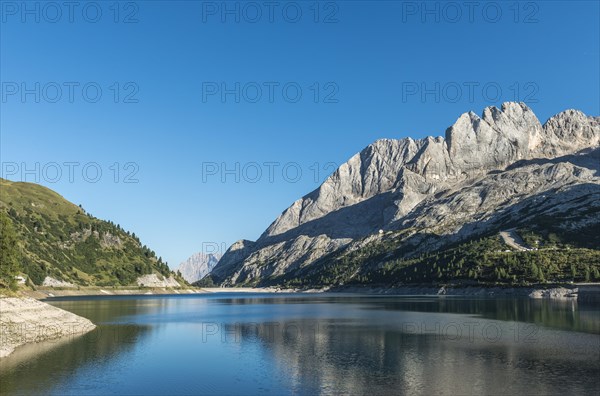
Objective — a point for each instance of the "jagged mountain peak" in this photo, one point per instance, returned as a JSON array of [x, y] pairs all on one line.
[[473, 144], [390, 180]]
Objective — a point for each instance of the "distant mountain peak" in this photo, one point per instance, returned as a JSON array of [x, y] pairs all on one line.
[[198, 265]]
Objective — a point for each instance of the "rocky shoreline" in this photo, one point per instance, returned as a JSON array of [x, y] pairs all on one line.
[[27, 320], [43, 293], [535, 292]]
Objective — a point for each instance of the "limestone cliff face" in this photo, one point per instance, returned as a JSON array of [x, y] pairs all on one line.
[[394, 184], [198, 266]]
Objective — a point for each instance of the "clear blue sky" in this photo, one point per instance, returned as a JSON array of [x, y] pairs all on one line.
[[369, 61]]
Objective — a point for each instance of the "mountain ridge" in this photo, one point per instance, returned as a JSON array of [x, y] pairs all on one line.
[[380, 187]]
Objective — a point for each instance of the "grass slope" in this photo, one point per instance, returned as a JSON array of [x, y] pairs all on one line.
[[59, 239]]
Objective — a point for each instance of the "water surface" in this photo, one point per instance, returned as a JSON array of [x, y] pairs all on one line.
[[310, 344]]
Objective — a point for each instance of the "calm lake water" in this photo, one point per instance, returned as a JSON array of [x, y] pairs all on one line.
[[312, 344]]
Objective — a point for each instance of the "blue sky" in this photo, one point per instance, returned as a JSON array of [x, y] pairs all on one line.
[[365, 70]]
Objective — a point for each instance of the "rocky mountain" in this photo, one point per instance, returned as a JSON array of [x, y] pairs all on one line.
[[501, 170], [60, 244], [198, 266]]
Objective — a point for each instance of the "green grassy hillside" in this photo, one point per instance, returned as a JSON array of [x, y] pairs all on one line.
[[59, 239]]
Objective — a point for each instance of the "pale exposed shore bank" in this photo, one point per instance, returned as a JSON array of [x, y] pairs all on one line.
[[564, 291], [48, 292], [535, 291], [27, 320], [255, 290]]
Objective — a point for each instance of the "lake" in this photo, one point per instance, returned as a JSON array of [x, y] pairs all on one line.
[[241, 343]]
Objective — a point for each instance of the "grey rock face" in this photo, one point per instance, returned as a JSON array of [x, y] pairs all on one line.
[[198, 266], [568, 185], [233, 258], [449, 185]]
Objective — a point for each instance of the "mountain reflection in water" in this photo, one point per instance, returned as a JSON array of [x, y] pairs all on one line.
[[309, 344]]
